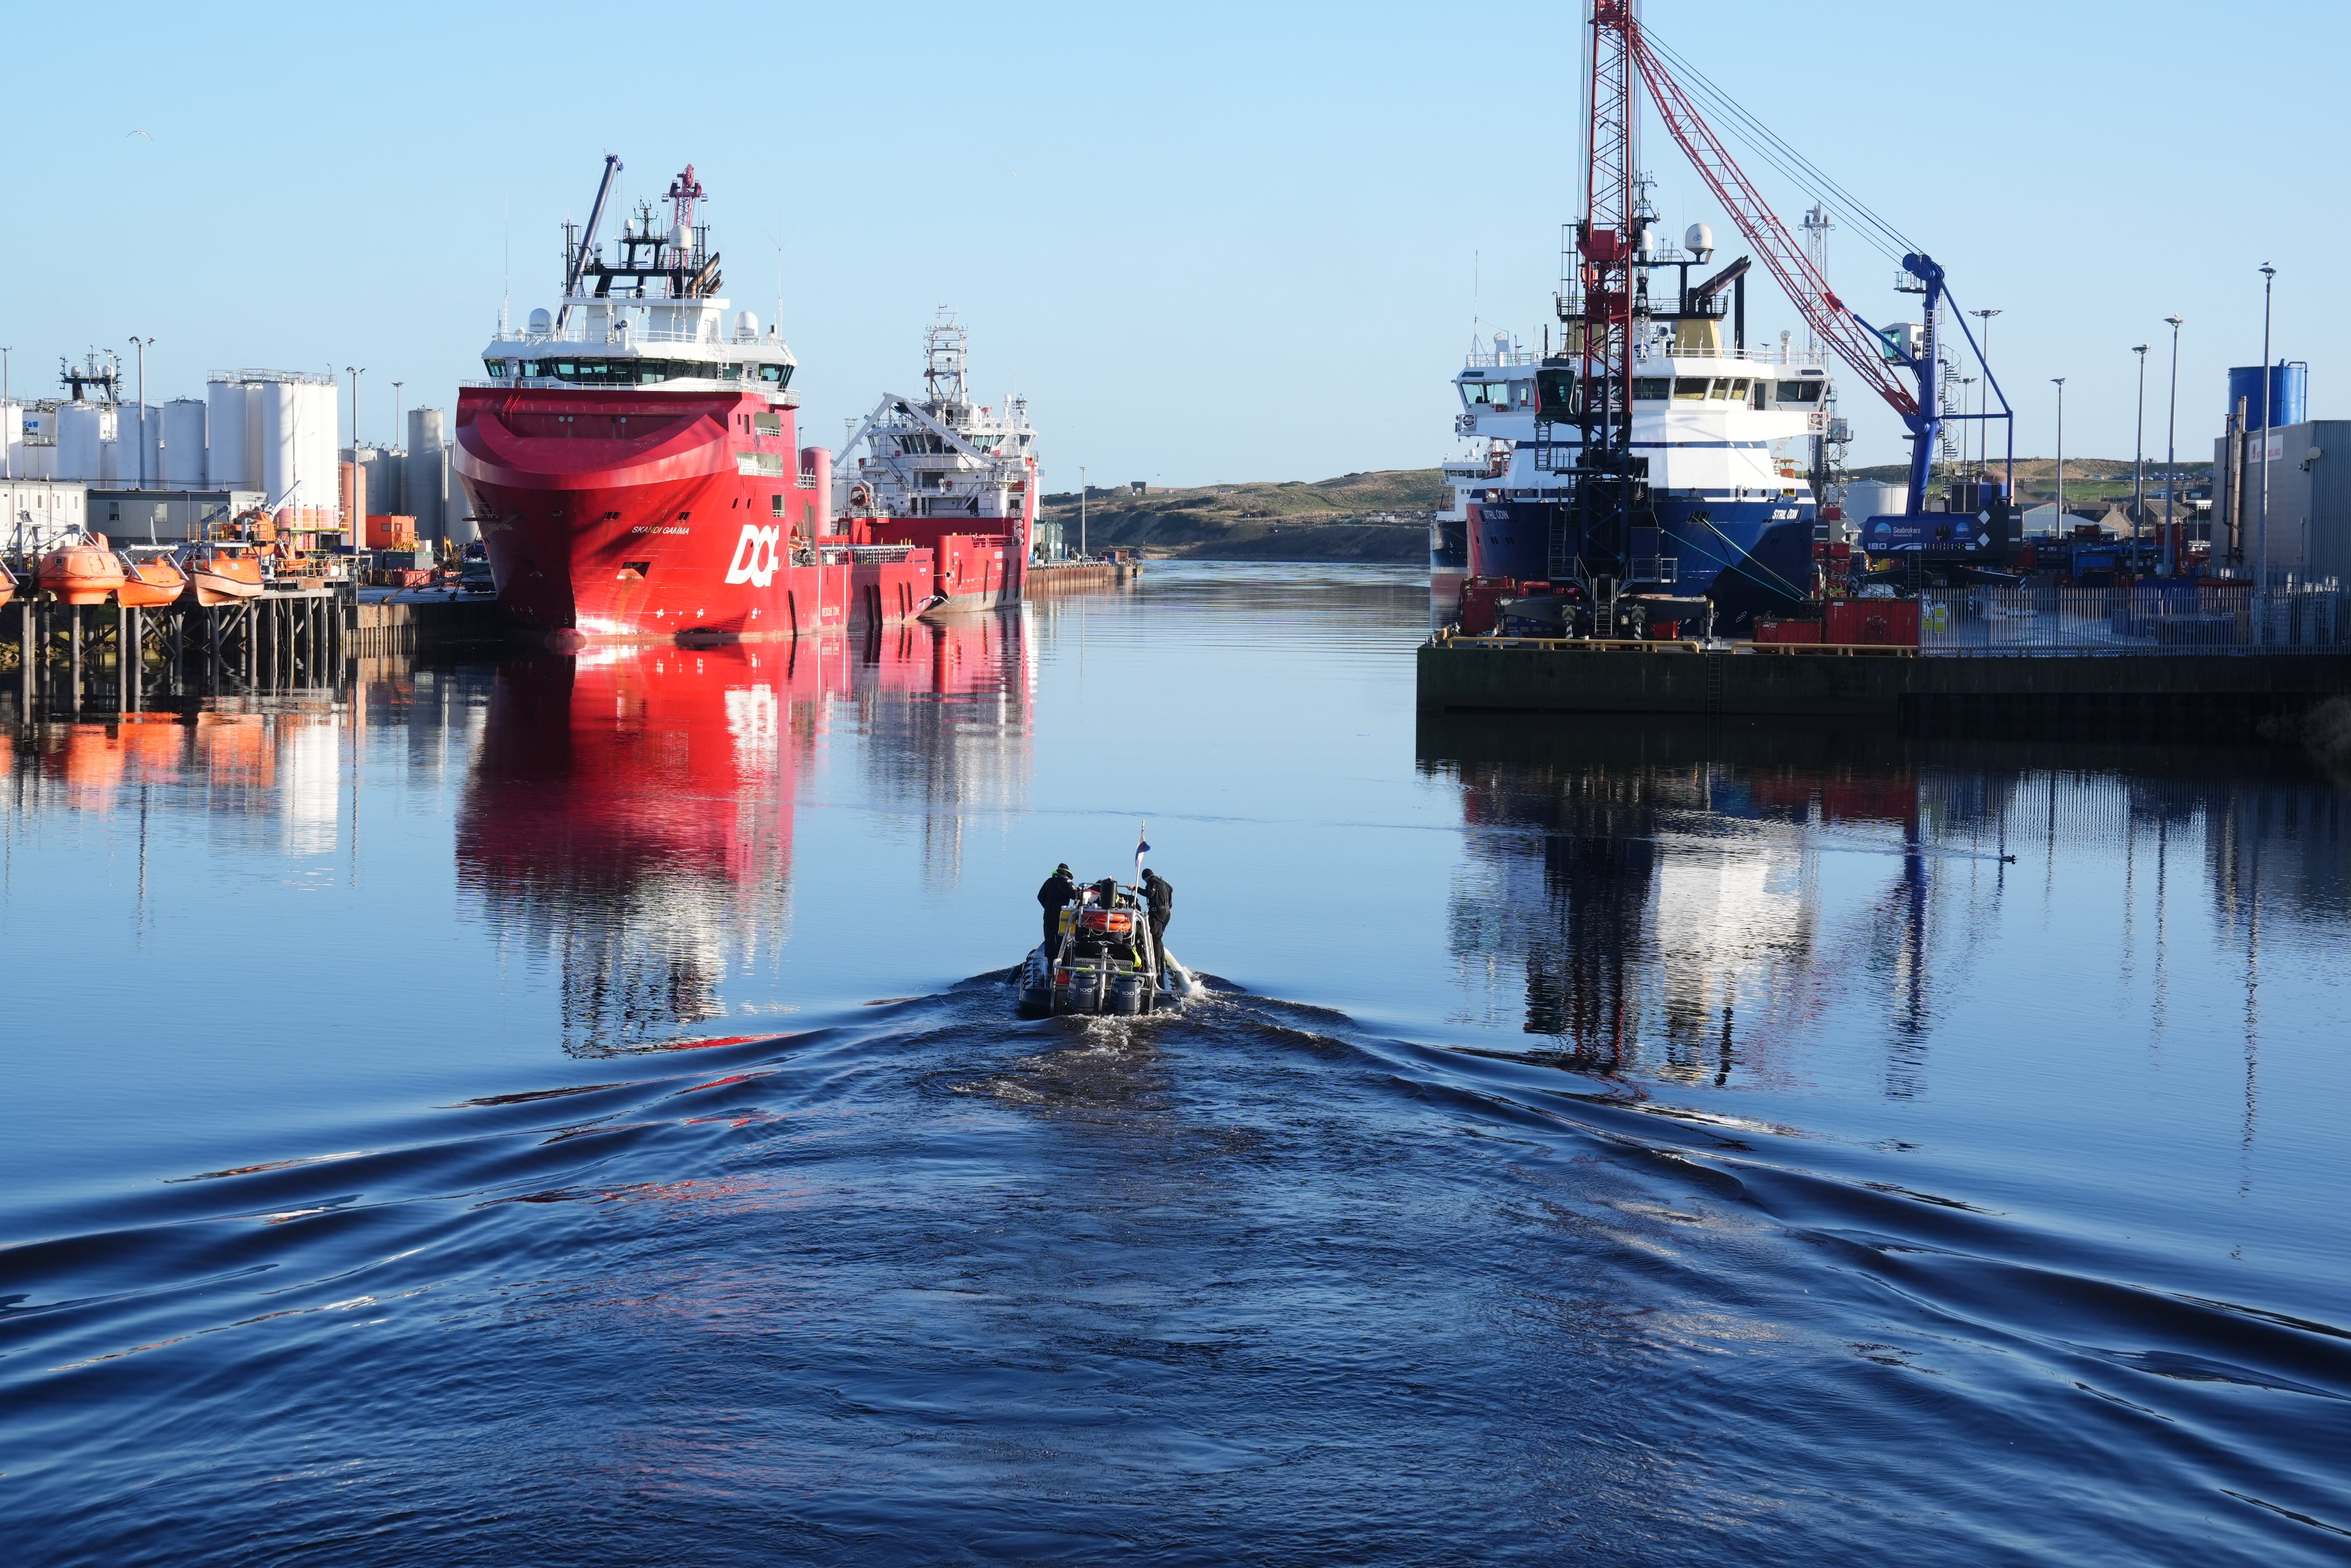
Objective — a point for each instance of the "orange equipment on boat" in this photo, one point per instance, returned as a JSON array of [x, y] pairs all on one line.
[[82, 570], [150, 579], [221, 573], [7, 586]]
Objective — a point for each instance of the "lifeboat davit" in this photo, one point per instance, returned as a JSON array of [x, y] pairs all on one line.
[[221, 573], [82, 570], [150, 579]]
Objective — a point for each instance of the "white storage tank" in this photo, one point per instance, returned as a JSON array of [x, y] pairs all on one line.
[[184, 465], [1867, 498], [323, 486], [80, 434], [12, 439], [138, 436], [427, 480], [224, 451], [281, 432]]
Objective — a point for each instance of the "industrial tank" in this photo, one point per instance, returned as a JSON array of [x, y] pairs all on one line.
[[2289, 392], [81, 433], [281, 434], [226, 456], [320, 457], [183, 444], [128, 435], [426, 484]]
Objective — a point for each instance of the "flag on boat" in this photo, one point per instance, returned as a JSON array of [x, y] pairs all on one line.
[[1141, 848]]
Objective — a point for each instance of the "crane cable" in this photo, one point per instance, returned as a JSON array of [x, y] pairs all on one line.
[[1768, 145]]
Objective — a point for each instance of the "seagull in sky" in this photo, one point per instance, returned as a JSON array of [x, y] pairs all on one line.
[[137, 133]]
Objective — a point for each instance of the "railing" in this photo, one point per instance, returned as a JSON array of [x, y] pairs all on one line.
[[2198, 616], [711, 332], [1769, 354]]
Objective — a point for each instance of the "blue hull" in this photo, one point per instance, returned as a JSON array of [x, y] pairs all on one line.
[[1736, 552]]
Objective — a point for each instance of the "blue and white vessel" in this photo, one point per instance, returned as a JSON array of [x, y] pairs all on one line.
[[1731, 436]]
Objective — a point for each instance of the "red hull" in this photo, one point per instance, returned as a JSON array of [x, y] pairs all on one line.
[[649, 516]]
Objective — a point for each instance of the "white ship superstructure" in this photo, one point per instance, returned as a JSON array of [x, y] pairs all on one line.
[[942, 454], [1731, 434]]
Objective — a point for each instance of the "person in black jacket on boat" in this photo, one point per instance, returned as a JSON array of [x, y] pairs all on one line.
[[1162, 905], [1060, 889]]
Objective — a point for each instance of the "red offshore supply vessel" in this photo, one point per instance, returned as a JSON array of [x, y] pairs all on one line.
[[632, 462]]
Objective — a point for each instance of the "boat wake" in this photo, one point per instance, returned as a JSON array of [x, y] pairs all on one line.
[[1185, 1285]]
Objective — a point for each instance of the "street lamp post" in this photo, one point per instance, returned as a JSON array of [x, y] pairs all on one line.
[[1081, 514], [2138, 456], [141, 344], [9, 438], [2171, 459], [1983, 460], [1965, 383], [395, 411], [2060, 383], [2261, 532], [355, 372]]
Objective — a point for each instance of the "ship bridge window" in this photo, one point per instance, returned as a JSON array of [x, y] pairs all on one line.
[[1485, 394], [1555, 393], [1652, 389], [1721, 388], [776, 375], [1801, 391], [1689, 385]]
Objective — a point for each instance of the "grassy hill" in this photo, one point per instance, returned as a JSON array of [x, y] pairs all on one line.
[[1381, 516], [2086, 478]]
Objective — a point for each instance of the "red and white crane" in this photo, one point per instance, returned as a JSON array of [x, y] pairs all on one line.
[[1608, 242]]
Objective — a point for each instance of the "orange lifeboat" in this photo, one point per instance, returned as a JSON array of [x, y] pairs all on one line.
[[7, 586], [221, 573], [150, 578], [82, 571]]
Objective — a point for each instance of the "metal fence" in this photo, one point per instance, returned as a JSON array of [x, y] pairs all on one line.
[[2198, 616]]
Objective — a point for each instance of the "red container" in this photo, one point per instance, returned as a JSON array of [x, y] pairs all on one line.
[[1478, 598], [1787, 632], [1872, 623]]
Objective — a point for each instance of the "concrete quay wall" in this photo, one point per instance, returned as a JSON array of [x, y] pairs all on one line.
[[2150, 692]]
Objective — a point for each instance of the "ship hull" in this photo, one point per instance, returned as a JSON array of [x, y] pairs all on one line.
[[1749, 556], [646, 518]]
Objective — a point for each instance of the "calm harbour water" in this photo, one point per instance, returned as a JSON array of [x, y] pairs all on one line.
[[571, 1112]]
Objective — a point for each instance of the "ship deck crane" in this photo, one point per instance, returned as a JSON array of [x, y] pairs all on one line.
[[1607, 239]]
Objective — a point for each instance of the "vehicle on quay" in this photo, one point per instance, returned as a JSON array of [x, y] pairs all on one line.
[[1102, 959]]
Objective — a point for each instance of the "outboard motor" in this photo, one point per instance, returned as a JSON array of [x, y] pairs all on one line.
[[1126, 993], [1085, 991]]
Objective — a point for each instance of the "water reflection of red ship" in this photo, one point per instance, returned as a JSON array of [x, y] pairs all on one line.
[[630, 811]]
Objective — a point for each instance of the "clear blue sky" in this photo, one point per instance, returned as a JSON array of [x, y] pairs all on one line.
[[1214, 242]]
